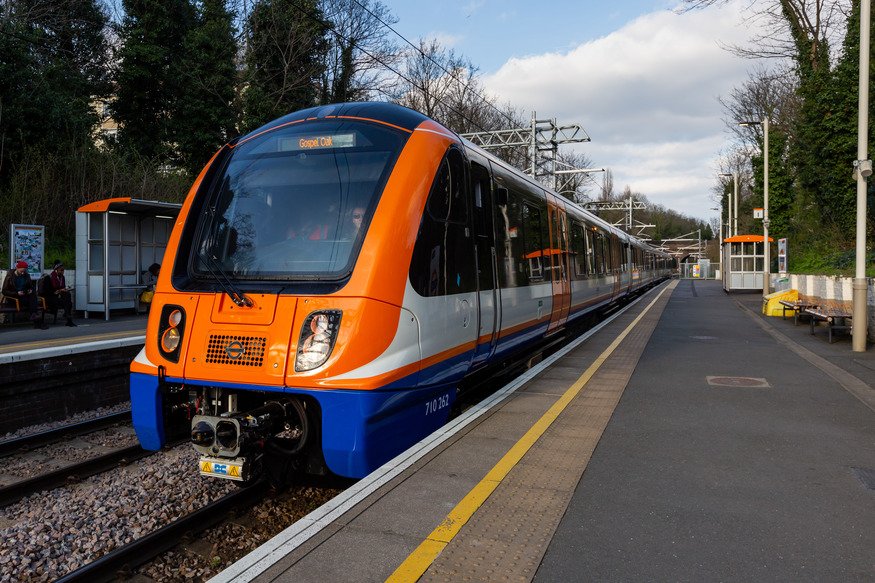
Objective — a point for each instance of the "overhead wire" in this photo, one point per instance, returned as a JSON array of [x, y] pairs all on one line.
[[392, 69], [439, 65]]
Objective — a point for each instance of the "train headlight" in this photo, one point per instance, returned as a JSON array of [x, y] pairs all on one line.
[[171, 329], [170, 340], [317, 339]]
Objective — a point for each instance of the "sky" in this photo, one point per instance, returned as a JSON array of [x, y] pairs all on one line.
[[642, 80]]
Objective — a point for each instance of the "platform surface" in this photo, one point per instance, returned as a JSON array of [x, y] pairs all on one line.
[[20, 336], [691, 439]]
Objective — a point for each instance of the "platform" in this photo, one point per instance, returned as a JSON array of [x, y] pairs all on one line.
[[24, 341], [689, 439]]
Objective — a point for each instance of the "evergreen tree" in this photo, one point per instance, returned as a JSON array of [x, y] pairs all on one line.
[[53, 55], [204, 116], [826, 141], [781, 183], [283, 65], [150, 80]]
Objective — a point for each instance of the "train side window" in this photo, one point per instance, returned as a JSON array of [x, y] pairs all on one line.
[[533, 242], [447, 201], [590, 251], [578, 249], [483, 226], [601, 254], [443, 256]]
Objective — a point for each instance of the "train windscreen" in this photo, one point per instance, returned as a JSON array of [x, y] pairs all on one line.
[[294, 203]]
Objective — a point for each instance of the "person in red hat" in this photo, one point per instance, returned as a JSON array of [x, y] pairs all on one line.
[[19, 285]]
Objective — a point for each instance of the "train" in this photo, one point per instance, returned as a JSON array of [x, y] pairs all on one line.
[[335, 276]]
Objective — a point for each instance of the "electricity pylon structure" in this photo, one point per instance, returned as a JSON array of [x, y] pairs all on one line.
[[679, 248], [542, 136], [627, 206]]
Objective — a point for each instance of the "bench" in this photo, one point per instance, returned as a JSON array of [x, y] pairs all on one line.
[[798, 307], [10, 305], [834, 314]]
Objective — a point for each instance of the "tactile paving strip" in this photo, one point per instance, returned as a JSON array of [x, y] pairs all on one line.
[[505, 540]]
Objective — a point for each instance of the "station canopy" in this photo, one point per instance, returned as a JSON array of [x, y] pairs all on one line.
[[746, 239], [132, 206]]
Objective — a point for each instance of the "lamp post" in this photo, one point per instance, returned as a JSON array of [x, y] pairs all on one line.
[[862, 170], [767, 266], [722, 269], [732, 232]]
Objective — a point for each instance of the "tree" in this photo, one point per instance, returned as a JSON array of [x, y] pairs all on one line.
[[827, 134], [799, 30], [773, 95], [428, 73], [813, 148], [149, 79], [52, 59], [204, 115], [283, 66], [358, 52]]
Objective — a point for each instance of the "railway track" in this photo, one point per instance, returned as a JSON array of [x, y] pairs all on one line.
[[70, 473], [29, 442], [73, 473], [122, 561]]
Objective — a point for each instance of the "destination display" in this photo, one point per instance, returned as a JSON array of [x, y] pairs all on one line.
[[321, 142]]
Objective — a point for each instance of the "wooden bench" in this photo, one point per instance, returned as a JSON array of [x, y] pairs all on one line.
[[834, 314], [798, 307]]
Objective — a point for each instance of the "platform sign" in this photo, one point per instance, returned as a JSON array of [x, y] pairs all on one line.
[[782, 255], [757, 213], [27, 243]]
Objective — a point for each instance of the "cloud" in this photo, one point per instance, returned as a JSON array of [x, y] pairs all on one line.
[[647, 96]]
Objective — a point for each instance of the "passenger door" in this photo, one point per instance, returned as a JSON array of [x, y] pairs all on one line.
[[559, 263], [488, 310]]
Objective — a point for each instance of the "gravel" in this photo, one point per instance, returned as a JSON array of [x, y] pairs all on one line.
[[47, 535], [226, 543], [77, 418]]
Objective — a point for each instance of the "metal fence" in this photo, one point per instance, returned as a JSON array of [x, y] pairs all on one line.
[[704, 269]]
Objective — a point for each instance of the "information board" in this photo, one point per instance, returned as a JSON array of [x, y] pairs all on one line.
[[27, 243]]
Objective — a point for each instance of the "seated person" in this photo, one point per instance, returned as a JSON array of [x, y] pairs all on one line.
[[150, 276], [19, 285], [58, 294], [358, 213]]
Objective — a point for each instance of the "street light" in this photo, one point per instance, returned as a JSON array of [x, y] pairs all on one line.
[[863, 169], [733, 232], [767, 267]]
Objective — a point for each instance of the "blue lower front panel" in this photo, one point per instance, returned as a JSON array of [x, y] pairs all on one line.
[[146, 411], [361, 430]]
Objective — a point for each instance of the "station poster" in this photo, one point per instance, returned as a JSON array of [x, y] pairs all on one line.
[[782, 255], [27, 243]]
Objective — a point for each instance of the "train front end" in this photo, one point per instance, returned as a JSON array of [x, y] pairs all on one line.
[[277, 339]]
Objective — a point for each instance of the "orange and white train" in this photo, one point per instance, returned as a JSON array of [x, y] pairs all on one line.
[[335, 275]]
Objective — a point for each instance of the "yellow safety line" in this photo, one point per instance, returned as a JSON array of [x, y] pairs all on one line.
[[420, 559], [78, 340]]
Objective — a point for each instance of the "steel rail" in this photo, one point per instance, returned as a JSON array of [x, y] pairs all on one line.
[[96, 465], [122, 561], [35, 440]]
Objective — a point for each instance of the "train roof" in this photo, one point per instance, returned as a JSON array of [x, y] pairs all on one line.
[[390, 113], [408, 119]]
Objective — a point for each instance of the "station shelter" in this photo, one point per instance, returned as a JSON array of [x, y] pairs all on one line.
[[744, 262], [117, 239]]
